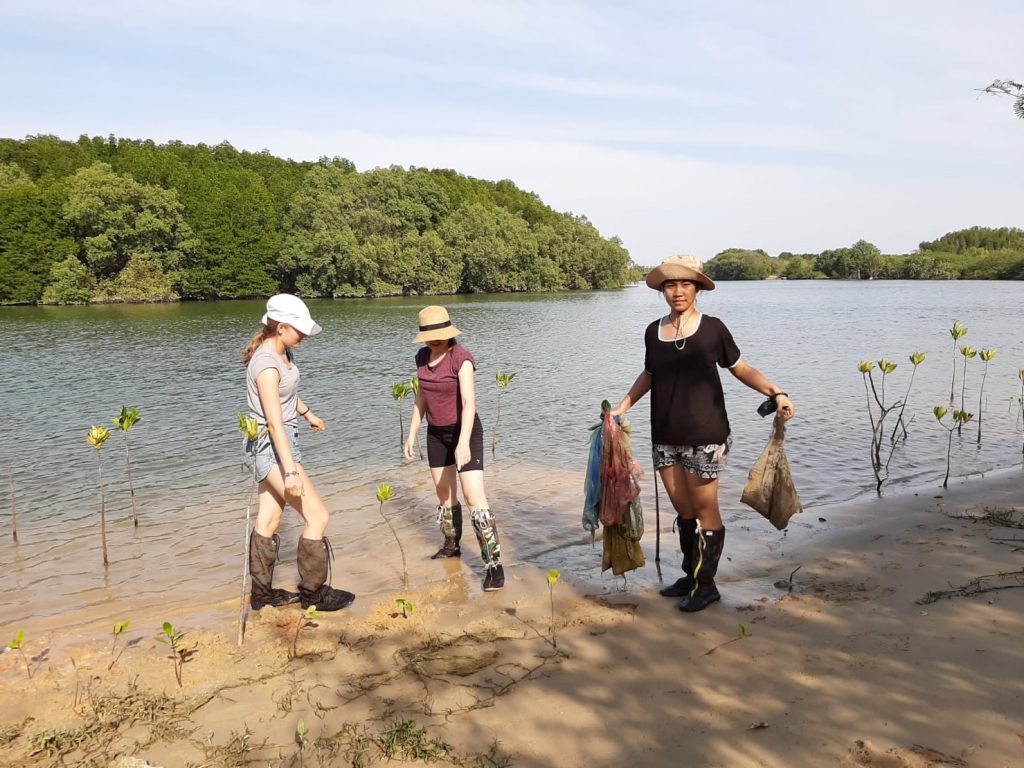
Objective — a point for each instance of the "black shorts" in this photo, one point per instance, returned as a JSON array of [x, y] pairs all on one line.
[[441, 442]]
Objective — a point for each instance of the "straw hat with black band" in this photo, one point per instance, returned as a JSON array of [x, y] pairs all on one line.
[[679, 268], [435, 325]]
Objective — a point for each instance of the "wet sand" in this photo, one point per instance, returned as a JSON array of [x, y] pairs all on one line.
[[820, 653]]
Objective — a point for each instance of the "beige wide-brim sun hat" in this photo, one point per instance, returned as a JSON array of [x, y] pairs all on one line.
[[679, 268], [435, 325]]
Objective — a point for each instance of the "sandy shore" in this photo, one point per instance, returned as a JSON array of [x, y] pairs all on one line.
[[839, 663]]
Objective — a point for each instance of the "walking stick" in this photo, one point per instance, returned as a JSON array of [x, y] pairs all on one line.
[[657, 527], [245, 562]]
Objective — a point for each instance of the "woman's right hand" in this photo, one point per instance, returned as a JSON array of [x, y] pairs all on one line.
[[293, 485], [409, 447]]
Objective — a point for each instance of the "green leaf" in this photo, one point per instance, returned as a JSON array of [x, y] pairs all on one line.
[[553, 575]]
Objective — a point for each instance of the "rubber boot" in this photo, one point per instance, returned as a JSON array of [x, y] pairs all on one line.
[[314, 577], [709, 552], [262, 557], [449, 519], [490, 548], [688, 546]]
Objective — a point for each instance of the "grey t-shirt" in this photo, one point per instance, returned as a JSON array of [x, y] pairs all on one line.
[[265, 357]]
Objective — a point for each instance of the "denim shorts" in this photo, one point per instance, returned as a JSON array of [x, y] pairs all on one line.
[[705, 461], [262, 455]]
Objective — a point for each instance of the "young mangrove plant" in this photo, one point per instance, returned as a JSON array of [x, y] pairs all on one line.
[[876, 395], [959, 419], [14, 509], [399, 391], [119, 629], [302, 739], [986, 356], [129, 418], [384, 493], [969, 353], [958, 331], [97, 437], [915, 359], [403, 605], [178, 654], [250, 430], [1020, 403], [17, 645], [306, 619], [553, 575], [502, 380]]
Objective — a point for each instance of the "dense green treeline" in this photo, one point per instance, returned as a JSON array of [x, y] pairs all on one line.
[[978, 253], [125, 220]]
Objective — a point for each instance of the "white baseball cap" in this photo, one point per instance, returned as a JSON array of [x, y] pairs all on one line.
[[285, 308]]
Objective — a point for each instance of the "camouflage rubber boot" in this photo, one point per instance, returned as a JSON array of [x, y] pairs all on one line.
[[490, 548], [688, 546], [449, 520], [315, 574], [262, 557]]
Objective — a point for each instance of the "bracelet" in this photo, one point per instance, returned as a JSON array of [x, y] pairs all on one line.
[[292, 474], [303, 413], [785, 394]]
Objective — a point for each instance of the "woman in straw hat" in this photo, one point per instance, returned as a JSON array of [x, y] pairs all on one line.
[[455, 439], [272, 386], [689, 424]]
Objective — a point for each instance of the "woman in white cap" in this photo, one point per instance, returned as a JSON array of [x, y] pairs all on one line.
[[689, 424], [455, 439], [272, 385]]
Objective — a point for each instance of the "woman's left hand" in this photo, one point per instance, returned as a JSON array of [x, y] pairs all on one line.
[[785, 407], [461, 455], [315, 422]]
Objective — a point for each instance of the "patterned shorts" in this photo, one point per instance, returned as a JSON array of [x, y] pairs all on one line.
[[705, 461]]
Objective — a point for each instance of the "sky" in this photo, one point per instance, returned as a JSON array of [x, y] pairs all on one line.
[[681, 127]]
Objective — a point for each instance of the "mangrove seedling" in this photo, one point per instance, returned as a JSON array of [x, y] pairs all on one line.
[[16, 645], [399, 391], [1020, 403], [97, 437], [502, 380], [958, 331], [250, 430], [969, 353], [915, 359], [553, 575], [986, 356], [959, 419], [306, 619], [178, 654], [866, 368], [403, 605], [129, 418], [14, 509], [384, 493], [119, 629]]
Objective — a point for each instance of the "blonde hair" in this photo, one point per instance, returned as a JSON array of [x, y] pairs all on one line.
[[262, 335]]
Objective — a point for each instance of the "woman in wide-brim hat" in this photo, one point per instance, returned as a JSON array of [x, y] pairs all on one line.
[[274, 459], [690, 434], [446, 398]]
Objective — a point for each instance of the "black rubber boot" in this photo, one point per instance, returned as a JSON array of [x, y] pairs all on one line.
[[314, 577], [709, 552], [262, 557], [688, 546], [449, 519]]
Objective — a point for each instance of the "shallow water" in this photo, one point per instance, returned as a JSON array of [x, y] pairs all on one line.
[[69, 368]]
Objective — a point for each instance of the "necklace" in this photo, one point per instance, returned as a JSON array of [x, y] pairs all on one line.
[[679, 329]]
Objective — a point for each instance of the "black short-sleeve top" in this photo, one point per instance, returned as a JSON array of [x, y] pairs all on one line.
[[687, 402]]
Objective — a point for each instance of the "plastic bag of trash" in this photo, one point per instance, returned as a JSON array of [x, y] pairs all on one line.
[[770, 489]]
